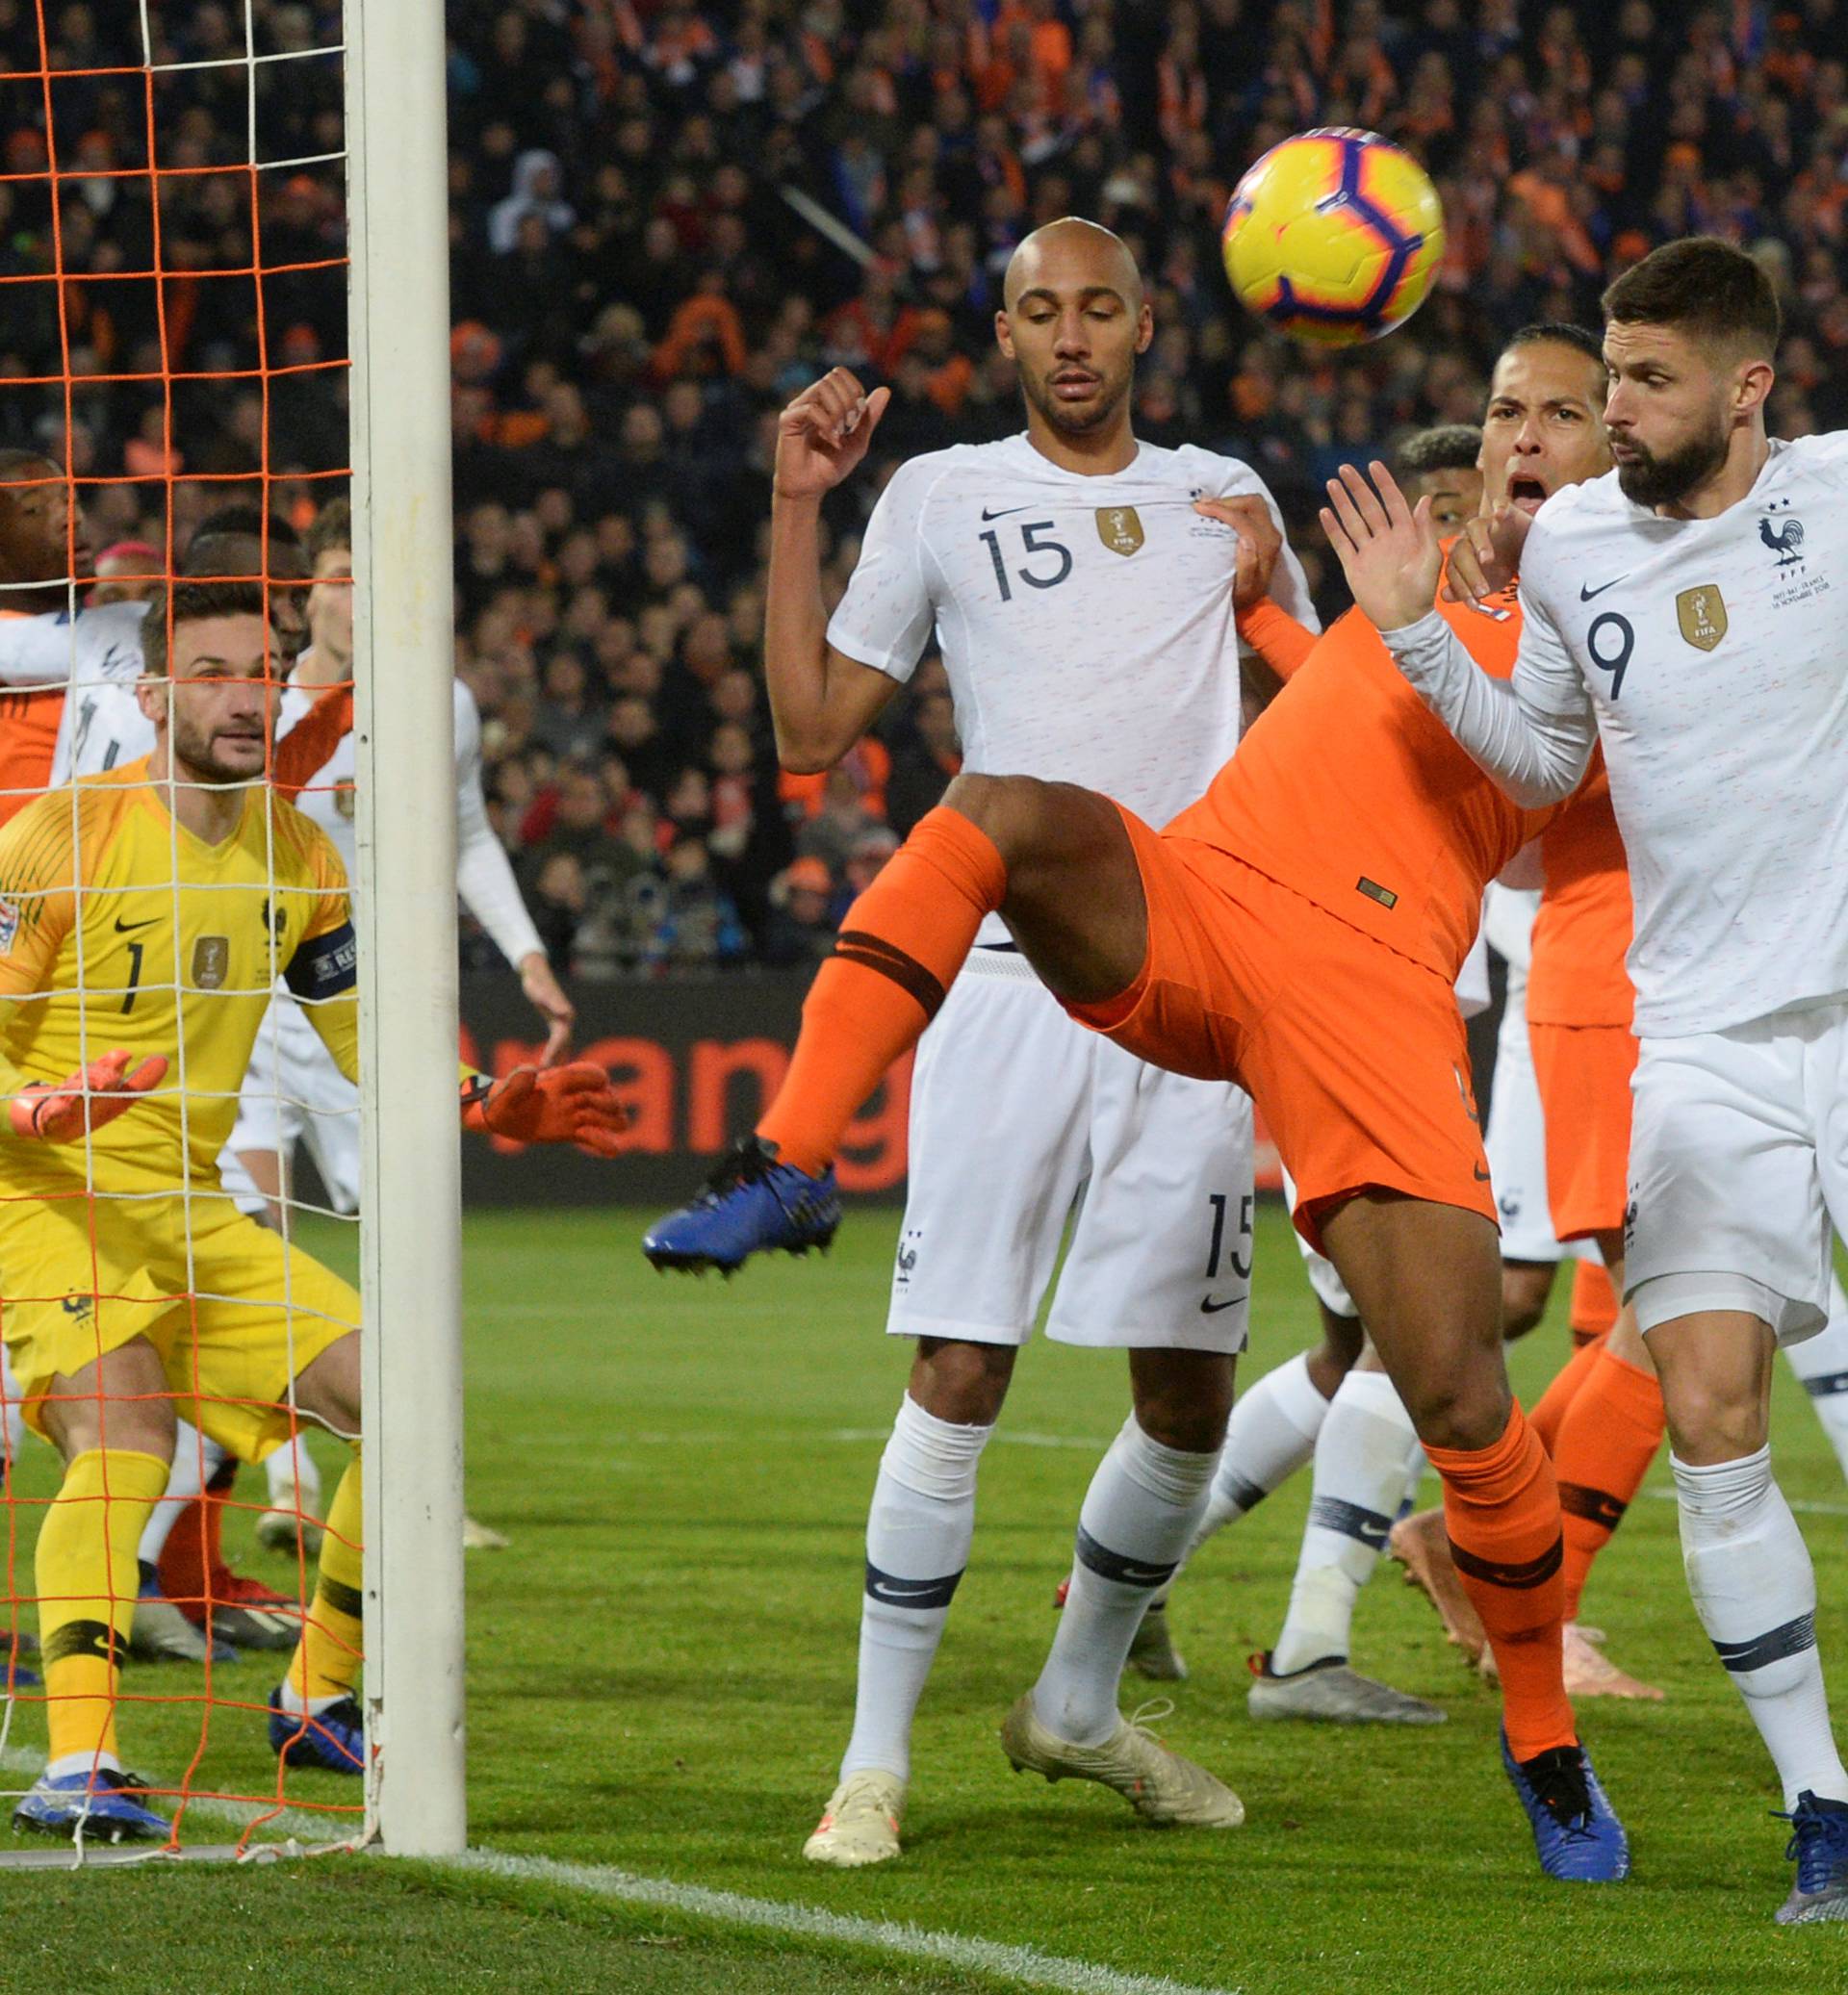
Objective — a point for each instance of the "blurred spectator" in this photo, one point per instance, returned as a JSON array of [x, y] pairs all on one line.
[[800, 931], [634, 301]]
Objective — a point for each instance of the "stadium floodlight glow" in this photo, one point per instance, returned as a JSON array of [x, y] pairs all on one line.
[[403, 645]]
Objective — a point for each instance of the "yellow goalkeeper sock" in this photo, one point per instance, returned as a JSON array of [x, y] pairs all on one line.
[[327, 1661], [87, 1582]]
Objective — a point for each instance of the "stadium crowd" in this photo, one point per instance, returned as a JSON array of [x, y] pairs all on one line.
[[666, 218]]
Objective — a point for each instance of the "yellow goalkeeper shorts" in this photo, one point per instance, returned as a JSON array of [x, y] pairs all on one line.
[[234, 1313]]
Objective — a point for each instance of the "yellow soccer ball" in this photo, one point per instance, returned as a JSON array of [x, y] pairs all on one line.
[[1333, 237]]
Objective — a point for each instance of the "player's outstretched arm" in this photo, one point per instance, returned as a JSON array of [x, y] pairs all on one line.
[[573, 1104], [65, 1111], [1388, 551], [821, 701]]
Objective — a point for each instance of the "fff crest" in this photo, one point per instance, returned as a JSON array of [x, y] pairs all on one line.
[[1702, 615]]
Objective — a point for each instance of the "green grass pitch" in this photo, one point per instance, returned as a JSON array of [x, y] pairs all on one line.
[[661, 1675]]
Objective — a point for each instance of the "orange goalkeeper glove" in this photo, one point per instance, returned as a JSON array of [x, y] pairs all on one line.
[[573, 1104], [60, 1112]]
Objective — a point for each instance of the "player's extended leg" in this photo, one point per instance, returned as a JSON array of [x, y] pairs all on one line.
[[114, 1425], [1055, 860], [1140, 1514], [1427, 1279], [315, 1719], [918, 1533], [1749, 1572]]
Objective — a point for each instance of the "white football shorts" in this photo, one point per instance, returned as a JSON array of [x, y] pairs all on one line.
[[1020, 1119], [295, 1093], [1738, 1155]]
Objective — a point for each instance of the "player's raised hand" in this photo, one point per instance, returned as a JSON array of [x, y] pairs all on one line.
[[1485, 557], [573, 1104], [1259, 543], [1388, 551], [823, 434], [62, 1111]]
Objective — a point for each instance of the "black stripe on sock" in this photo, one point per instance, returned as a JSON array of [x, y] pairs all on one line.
[[343, 1600], [1825, 1385], [1351, 1520], [1791, 1639], [890, 1591], [875, 953], [1247, 1496], [1113, 1565], [1518, 1578], [1594, 1506], [95, 1638]]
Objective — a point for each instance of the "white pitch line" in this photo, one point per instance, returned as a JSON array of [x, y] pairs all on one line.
[[1026, 1965]]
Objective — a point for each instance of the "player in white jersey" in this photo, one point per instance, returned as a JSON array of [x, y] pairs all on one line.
[[293, 1091], [1686, 613], [1084, 614]]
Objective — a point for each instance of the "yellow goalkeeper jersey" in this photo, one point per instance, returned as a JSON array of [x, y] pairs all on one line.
[[120, 928]]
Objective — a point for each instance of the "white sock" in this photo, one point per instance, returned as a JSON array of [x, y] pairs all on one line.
[[918, 1544], [12, 1428], [195, 1461], [1139, 1515], [1755, 1591], [1271, 1435], [293, 1464], [1821, 1362], [1359, 1483], [82, 1763], [290, 1698]]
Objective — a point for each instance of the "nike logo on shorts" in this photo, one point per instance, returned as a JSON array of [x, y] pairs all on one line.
[[1210, 1308]]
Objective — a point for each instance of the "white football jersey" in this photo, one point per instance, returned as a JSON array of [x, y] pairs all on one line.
[[96, 657], [1086, 622], [1714, 657], [485, 877]]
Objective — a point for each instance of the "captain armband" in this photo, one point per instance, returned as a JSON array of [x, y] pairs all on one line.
[[326, 968]]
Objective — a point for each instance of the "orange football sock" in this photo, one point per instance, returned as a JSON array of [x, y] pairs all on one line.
[[1551, 1408], [1502, 1510], [898, 952], [1607, 1442], [1594, 1303]]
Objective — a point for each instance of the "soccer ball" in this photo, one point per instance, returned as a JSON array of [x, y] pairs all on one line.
[[1333, 237]]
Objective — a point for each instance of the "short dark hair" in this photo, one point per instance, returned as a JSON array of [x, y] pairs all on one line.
[[1703, 286], [250, 520], [1450, 446], [332, 528], [1557, 332], [193, 603]]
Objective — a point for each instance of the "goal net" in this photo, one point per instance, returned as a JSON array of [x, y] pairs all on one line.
[[223, 490]]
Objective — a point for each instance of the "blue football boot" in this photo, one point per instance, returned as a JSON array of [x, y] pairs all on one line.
[[1819, 1845], [333, 1740], [94, 1805], [1576, 1829], [750, 1205]]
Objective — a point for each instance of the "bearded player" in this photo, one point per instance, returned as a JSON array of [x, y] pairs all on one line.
[[1680, 613], [147, 913], [1231, 945]]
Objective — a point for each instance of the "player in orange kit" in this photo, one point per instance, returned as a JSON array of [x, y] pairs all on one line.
[[1333, 873]]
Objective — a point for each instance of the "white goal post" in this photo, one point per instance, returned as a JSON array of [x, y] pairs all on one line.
[[410, 1241]]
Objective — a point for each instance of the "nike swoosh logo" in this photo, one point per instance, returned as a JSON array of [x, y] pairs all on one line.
[[1374, 1535], [1210, 1308], [898, 1592], [1586, 595], [1004, 511], [1134, 1575], [1481, 1176], [124, 928]]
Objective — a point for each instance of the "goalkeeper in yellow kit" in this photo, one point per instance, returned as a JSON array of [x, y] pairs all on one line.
[[145, 917]]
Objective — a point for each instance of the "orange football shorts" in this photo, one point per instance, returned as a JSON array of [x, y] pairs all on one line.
[[1584, 1074], [1355, 1054]]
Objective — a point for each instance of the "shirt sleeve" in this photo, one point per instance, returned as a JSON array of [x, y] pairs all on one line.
[[483, 874], [885, 618], [323, 972], [37, 650], [38, 898], [1276, 637], [1533, 733]]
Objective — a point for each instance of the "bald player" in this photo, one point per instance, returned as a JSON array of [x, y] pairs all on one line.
[[1086, 615]]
